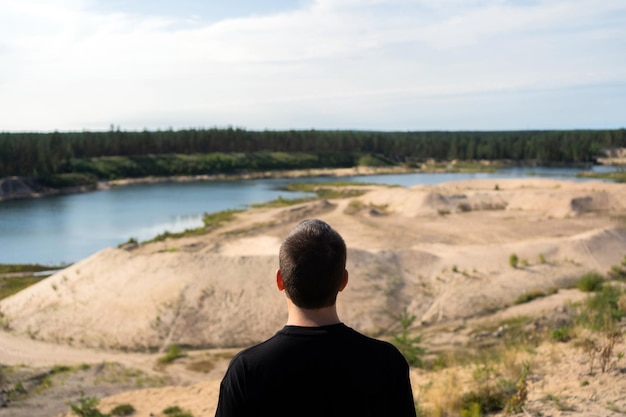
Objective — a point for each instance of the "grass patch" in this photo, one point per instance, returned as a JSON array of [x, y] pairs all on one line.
[[25, 268], [15, 277], [562, 334], [355, 206], [532, 295], [590, 282], [616, 176], [173, 352], [602, 311], [10, 286], [176, 411], [211, 221], [282, 202], [327, 190]]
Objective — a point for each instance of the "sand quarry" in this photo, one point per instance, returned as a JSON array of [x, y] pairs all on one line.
[[440, 252]]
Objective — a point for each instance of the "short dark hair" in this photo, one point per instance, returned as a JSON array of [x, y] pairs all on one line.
[[312, 261]]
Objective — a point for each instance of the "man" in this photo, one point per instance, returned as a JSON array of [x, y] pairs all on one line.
[[316, 365]]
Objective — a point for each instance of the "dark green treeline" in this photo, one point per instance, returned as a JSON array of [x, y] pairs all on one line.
[[46, 154]]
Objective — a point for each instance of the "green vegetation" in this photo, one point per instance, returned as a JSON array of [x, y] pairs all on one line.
[[91, 156], [25, 268], [615, 176], [10, 286], [531, 295], [123, 410], [213, 220], [132, 241], [589, 282], [210, 220], [87, 407], [176, 411], [326, 190], [493, 392], [618, 272], [282, 202], [173, 352], [408, 345], [562, 334], [602, 310], [499, 379], [558, 403], [513, 260], [16, 277]]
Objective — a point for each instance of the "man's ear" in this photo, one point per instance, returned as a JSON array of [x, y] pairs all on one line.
[[279, 280], [344, 281]]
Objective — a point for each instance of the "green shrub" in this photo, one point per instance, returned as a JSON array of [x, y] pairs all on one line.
[[87, 407], [132, 241], [601, 311], [489, 399], [123, 410], [408, 345], [517, 401], [589, 282], [513, 260], [562, 334], [176, 411], [173, 353]]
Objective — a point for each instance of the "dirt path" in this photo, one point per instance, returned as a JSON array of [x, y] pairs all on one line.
[[16, 350]]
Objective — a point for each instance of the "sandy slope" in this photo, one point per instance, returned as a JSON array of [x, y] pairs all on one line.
[[441, 252]]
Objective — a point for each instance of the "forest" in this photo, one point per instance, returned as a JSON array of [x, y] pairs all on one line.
[[88, 156]]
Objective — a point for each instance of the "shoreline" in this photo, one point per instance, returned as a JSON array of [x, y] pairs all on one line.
[[20, 188]]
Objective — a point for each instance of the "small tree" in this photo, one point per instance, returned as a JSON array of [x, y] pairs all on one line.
[[408, 345], [513, 260]]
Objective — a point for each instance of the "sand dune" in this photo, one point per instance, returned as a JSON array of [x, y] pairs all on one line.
[[442, 252]]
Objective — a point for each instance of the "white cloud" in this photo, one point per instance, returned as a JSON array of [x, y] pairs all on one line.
[[331, 60]]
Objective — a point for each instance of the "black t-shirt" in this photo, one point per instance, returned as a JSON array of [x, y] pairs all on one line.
[[317, 371]]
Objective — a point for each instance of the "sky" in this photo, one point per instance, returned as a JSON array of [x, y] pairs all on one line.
[[385, 65]]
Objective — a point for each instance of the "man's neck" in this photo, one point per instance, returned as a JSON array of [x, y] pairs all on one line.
[[311, 317]]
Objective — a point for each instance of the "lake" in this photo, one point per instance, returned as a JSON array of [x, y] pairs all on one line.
[[65, 229]]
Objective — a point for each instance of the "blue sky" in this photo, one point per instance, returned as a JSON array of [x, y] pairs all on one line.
[[312, 64]]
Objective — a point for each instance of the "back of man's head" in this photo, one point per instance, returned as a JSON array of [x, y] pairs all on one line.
[[312, 261]]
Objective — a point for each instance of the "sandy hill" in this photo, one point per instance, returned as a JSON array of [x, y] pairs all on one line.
[[440, 252]]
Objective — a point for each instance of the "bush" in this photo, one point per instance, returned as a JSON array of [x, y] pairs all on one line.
[[173, 353], [590, 282], [123, 410], [601, 311], [562, 334], [176, 411], [87, 407], [492, 393], [513, 260]]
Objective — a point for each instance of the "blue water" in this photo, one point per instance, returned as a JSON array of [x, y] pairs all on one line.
[[65, 229]]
